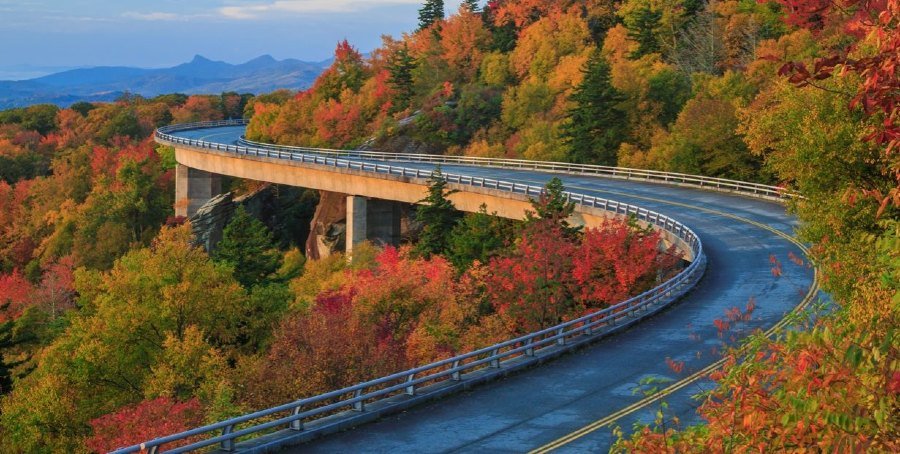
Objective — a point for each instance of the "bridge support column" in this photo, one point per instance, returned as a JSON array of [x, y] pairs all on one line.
[[193, 188], [374, 220], [357, 221]]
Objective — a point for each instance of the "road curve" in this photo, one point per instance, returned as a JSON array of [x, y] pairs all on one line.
[[570, 404]]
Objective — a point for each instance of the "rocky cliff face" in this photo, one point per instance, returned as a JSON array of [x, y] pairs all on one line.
[[211, 219], [327, 233], [281, 208]]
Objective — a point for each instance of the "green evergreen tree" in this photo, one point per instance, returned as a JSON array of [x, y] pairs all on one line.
[[432, 11], [248, 247], [596, 125], [437, 215], [478, 236], [5, 343], [553, 206], [470, 5], [401, 66], [503, 36], [642, 28]]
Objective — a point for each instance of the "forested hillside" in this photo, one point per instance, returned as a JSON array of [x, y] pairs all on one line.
[[644, 84], [114, 328], [799, 93]]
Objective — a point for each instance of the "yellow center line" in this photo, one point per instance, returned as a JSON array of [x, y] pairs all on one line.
[[609, 419], [209, 136]]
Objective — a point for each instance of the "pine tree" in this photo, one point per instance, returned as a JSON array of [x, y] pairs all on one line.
[[248, 247], [596, 126], [401, 66], [5, 343], [432, 11], [470, 5], [437, 215], [553, 207], [478, 236], [642, 28]]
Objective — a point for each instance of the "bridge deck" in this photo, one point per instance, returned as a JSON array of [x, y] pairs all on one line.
[[530, 409]]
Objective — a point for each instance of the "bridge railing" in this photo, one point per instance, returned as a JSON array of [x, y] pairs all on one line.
[[718, 184], [488, 361]]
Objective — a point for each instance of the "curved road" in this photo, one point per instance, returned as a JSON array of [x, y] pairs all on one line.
[[582, 390]]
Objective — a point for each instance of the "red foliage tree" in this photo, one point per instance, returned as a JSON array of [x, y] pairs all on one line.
[[337, 123], [15, 295], [144, 421], [323, 350], [530, 289], [198, 108], [615, 262], [57, 288], [522, 12]]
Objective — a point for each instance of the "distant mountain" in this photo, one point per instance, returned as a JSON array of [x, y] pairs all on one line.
[[199, 76]]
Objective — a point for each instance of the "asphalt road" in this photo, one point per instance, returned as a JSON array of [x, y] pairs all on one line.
[[530, 409]]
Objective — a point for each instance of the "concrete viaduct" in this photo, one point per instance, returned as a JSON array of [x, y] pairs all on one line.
[[372, 202], [732, 231]]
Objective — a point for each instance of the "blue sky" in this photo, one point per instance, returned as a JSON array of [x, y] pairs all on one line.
[[157, 33]]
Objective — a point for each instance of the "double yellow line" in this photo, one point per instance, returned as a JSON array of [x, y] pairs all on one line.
[[676, 386]]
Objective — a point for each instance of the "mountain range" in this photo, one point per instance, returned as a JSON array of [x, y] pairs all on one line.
[[199, 76]]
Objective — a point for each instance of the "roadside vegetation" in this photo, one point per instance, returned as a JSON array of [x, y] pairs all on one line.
[[115, 328]]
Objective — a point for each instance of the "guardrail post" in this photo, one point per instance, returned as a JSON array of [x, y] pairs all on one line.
[[227, 445], [529, 351], [411, 389], [296, 424], [562, 339], [359, 405], [495, 361], [456, 376]]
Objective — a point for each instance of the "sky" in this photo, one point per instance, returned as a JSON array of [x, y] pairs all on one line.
[[40, 36]]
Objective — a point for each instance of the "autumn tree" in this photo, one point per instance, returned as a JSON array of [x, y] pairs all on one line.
[[618, 260], [828, 383], [123, 124], [82, 108], [464, 40], [144, 421], [596, 125], [437, 215], [39, 117], [346, 72], [530, 288], [325, 349], [199, 108], [157, 304]]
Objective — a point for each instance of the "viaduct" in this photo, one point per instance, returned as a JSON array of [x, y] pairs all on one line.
[[589, 380]]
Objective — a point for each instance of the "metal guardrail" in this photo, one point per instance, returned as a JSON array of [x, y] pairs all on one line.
[[490, 359], [711, 183]]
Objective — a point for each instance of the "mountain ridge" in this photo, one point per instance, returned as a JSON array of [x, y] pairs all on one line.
[[198, 76]]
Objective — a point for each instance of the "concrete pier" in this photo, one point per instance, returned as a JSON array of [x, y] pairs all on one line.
[[193, 188], [375, 220]]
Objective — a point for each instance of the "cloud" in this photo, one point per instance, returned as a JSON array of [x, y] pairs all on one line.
[[305, 6], [157, 16]]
